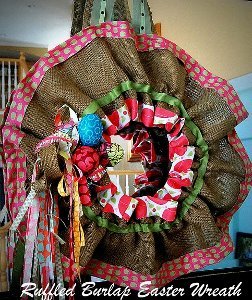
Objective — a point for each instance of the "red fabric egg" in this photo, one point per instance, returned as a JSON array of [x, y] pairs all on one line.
[[86, 159]]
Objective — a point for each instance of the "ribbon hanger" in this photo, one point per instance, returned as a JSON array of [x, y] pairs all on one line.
[[95, 12], [102, 11], [142, 21]]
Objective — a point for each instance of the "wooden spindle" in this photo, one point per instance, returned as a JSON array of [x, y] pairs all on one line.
[[117, 180], [3, 87], [125, 173], [9, 80], [135, 176], [15, 74], [158, 29], [127, 184]]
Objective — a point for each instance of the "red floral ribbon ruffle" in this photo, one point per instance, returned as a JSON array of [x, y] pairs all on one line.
[[164, 203]]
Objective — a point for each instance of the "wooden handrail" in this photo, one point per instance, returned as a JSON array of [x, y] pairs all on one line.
[[23, 70], [11, 76], [5, 59], [23, 67], [158, 29]]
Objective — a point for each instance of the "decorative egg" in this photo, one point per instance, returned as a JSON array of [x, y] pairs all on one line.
[[110, 154], [86, 159], [90, 130], [115, 154]]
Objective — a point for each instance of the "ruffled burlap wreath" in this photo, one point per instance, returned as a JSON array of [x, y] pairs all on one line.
[[181, 118]]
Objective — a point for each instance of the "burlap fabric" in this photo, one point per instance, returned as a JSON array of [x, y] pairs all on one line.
[[101, 66]]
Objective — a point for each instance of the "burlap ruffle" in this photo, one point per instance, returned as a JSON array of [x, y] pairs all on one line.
[[92, 74]]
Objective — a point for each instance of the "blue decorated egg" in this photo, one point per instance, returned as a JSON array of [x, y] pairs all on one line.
[[90, 130]]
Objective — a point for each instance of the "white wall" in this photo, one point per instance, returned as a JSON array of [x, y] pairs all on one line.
[[217, 33]]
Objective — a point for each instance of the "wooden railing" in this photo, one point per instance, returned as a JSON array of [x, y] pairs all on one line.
[[12, 70], [125, 179]]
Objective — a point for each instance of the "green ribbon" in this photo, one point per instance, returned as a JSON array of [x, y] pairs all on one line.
[[141, 13], [17, 266], [102, 11], [144, 88], [127, 86]]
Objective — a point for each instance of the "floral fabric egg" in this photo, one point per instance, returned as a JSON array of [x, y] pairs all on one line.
[[110, 154], [90, 130], [86, 159], [115, 154]]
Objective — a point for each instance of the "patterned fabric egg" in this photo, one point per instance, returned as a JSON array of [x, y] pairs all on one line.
[[110, 154], [90, 130], [86, 159], [115, 154]]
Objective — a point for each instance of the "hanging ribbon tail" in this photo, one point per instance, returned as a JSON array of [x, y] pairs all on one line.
[[66, 133], [23, 210], [62, 187], [78, 233], [59, 271], [35, 275], [43, 240], [71, 190], [3, 214], [31, 236], [11, 247]]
